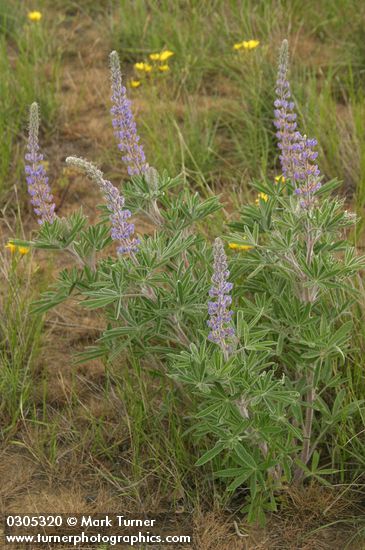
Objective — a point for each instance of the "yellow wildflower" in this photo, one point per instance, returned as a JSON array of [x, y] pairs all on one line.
[[34, 16], [235, 246], [251, 44], [263, 197], [164, 56], [154, 56], [246, 45], [15, 248], [146, 67], [11, 247], [279, 179], [164, 68], [23, 250], [135, 83]]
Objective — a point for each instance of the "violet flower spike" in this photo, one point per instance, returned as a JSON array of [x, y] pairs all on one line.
[[124, 124], [37, 180], [121, 230], [220, 315], [306, 172], [285, 117], [297, 152]]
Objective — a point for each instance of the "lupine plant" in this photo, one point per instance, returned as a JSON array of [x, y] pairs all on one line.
[[253, 340]]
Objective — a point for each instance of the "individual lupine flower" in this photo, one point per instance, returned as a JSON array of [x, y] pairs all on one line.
[[285, 117], [122, 230], [220, 315], [124, 124], [37, 180]]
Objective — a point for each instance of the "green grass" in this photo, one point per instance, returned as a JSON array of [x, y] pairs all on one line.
[[29, 65], [20, 339]]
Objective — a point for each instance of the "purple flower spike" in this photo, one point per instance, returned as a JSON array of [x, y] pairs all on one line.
[[285, 117], [124, 124], [306, 172], [297, 152], [220, 315], [37, 180], [122, 230]]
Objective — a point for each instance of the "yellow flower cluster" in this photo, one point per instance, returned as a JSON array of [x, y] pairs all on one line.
[[246, 45], [15, 248], [34, 16], [159, 64], [143, 67], [161, 57], [263, 197], [235, 246]]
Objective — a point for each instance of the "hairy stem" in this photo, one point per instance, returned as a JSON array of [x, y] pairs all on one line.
[[307, 428]]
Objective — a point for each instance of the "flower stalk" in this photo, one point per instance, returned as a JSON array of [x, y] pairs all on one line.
[[37, 180], [125, 129], [222, 331], [122, 231]]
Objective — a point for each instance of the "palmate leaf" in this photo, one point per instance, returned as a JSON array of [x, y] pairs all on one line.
[[49, 300], [97, 236], [174, 247], [156, 253], [120, 332], [239, 480], [315, 472], [101, 298], [57, 235], [209, 455], [68, 282], [214, 407], [90, 353], [187, 209], [328, 187], [21, 242], [245, 458], [228, 472], [139, 192]]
